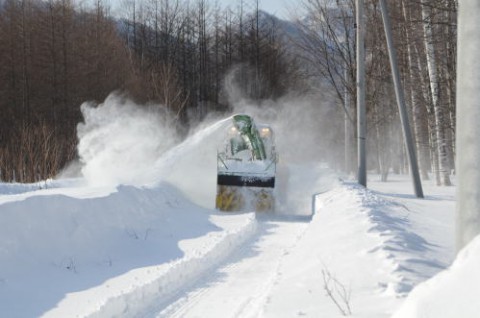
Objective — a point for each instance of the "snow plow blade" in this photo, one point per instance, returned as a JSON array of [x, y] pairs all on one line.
[[239, 193], [246, 167], [246, 181]]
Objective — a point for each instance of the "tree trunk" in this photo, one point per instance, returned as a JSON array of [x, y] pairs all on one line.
[[419, 125], [441, 142]]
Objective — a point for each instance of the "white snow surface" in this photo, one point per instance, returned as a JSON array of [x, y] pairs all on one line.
[[80, 248], [452, 293]]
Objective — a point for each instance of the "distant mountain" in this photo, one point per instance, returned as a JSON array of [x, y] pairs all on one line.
[[285, 27]]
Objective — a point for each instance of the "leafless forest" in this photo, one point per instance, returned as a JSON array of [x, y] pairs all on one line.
[[57, 54]]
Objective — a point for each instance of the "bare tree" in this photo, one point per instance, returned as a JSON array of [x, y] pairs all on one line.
[[438, 107]]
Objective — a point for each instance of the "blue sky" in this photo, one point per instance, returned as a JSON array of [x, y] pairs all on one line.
[[280, 8]]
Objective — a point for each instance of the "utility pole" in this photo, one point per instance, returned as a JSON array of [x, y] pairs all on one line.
[[361, 120], [348, 125], [402, 109], [468, 118]]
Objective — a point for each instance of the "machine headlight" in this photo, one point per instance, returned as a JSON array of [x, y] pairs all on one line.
[[265, 132]]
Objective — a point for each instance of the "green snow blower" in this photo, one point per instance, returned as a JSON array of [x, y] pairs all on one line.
[[246, 167]]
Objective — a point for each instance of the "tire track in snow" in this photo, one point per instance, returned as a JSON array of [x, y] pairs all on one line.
[[184, 302], [140, 300], [241, 286]]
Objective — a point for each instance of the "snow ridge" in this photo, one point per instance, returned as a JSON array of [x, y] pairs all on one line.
[[402, 250]]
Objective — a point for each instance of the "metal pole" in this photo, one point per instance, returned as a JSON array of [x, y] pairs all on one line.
[[348, 125], [361, 121], [468, 118], [402, 109]]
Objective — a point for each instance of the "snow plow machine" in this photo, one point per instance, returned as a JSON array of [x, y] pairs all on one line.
[[246, 167]]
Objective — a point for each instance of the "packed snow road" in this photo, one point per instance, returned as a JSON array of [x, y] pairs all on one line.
[[240, 286]]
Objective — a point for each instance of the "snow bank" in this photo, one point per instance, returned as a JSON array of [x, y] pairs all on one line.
[[363, 242], [388, 231], [17, 188], [452, 293], [55, 242]]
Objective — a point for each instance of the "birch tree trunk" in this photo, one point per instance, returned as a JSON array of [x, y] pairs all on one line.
[[419, 126], [441, 142], [430, 118], [449, 70]]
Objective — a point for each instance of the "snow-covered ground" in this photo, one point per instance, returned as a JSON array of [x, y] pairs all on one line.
[[80, 248], [73, 250]]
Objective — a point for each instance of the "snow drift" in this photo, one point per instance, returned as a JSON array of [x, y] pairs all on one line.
[[451, 293]]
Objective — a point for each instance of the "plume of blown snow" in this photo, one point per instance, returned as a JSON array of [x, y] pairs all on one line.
[[192, 164], [120, 141]]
